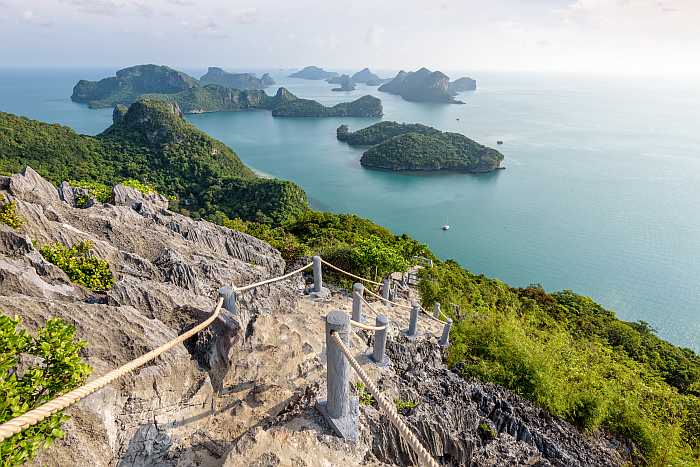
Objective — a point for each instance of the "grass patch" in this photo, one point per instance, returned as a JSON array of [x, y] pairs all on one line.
[[81, 266], [8, 213]]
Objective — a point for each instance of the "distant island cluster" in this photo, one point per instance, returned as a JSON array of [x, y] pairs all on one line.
[[422, 85], [391, 145]]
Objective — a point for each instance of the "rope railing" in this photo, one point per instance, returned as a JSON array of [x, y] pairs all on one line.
[[332, 266], [34, 416], [271, 280], [357, 324], [387, 407], [400, 305]]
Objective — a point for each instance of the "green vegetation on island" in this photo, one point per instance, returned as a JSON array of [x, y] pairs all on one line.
[[427, 86], [215, 75], [8, 213], [416, 147], [152, 143], [191, 96], [34, 369], [81, 266]]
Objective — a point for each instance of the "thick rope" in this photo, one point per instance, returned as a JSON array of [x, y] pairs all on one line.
[[424, 457], [367, 326], [34, 416], [269, 281], [401, 305], [368, 304], [349, 273], [433, 317]]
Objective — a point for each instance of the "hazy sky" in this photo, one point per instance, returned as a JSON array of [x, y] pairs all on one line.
[[631, 36]]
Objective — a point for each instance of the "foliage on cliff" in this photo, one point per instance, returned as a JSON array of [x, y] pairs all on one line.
[[8, 213], [575, 359], [81, 266], [152, 143], [33, 370]]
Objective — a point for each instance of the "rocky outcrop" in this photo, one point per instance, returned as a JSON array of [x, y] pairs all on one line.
[[168, 269], [367, 77], [346, 84], [461, 85], [465, 422]]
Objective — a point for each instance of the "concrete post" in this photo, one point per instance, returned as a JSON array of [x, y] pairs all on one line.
[[445, 339], [358, 291], [318, 276], [229, 296], [379, 351], [338, 380], [436, 310], [413, 325], [385, 291]]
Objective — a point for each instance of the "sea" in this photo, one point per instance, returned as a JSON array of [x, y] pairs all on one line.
[[600, 195]]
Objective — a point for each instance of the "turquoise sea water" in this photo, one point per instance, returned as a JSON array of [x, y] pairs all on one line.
[[601, 193]]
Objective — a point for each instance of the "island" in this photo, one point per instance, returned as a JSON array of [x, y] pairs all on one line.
[[215, 75], [366, 106], [461, 85], [166, 84], [366, 77], [314, 73], [415, 147], [425, 86], [346, 84]]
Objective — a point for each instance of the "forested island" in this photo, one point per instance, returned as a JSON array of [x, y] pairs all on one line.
[[427, 86], [313, 73], [215, 75], [164, 83], [415, 147], [616, 382], [346, 84]]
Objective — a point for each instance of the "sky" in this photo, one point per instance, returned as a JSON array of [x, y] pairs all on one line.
[[646, 37]]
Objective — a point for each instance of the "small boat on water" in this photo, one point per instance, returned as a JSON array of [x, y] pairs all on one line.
[[499, 142], [445, 227]]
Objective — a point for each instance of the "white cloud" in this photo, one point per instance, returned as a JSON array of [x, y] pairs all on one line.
[[375, 35]]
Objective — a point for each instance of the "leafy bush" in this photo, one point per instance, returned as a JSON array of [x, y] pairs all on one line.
[[100, 191], [138, 185], [8, 213], [404, 406], [81, 266], [34, 370], [365, 397]]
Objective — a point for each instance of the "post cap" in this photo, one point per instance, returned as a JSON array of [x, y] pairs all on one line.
[[381, 320], [338, 320]]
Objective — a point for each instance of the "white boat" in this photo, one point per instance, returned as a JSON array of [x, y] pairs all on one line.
[[445, 227]]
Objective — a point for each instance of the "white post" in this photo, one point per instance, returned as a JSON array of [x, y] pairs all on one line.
[[413, 325], [385, 291], [379, 351], [445, 338], [358, 291], [338, 378], [436, 310], [318, 276]]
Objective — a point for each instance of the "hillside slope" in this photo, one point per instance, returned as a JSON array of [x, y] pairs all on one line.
[[150, 141]]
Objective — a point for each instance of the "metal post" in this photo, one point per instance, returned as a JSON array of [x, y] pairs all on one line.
[[358, 291], [436, 310], [318, 277], [445, 339], [378, 353], [413, 325], [385, 290], [338, 380]]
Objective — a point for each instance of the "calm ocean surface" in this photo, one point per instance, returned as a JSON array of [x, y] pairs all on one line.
[[601, 194]]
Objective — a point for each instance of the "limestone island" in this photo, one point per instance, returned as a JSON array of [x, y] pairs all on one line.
[[191, 96], [215, 75], [346, 84], [367, 77], [314, 73], [427, 86], [414, 147]]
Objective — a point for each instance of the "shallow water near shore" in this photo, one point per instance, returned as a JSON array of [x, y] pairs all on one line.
[[601, 193]]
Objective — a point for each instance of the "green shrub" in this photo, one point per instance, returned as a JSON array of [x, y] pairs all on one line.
[[81, 266], [404, 406], [34, 370], [8, 213], [140, 186], [365, 397], [97, 190]]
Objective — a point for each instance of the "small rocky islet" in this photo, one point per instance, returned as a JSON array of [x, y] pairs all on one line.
[[415, 147]]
